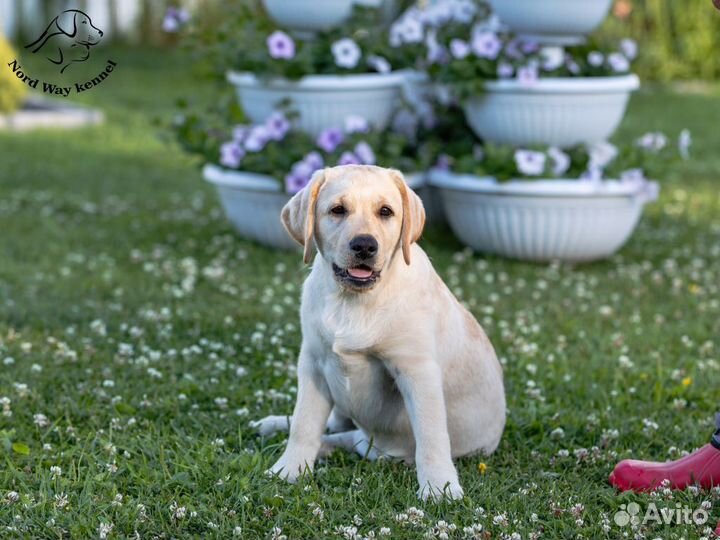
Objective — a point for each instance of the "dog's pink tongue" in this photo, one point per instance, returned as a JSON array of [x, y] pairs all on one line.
[[359, 273]]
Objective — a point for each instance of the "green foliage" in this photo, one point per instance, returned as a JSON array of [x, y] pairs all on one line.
[[240, 43], [12, 89], [678, 39]]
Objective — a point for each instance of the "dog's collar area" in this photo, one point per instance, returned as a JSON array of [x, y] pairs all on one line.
[[364, 278]]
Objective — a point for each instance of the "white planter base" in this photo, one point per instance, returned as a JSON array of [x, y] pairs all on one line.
[[252, 203], [322, 101], [560, 22], [554, 111], [540, 221]]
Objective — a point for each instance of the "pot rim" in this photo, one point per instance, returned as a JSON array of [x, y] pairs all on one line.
[[245, 180], [352, 81], [541, 188], [568, 85]]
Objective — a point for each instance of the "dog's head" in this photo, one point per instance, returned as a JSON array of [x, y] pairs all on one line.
[[358, 216], [77, 25]]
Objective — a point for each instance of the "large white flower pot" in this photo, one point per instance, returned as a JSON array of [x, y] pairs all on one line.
[[430, 196], [322, 101], [552, 21], [309, 16], [554, 111], [541, 220], [252, 202]]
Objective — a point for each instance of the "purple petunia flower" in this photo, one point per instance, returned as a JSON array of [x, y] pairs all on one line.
[[595, 58], [436, 53], [356, 124], [618, 62], [486, 44], [329, 139], [280, 45], [629, 48], [459, 48], [175, 19], [277, 126], [443, 162], [347, 53], [257, 138], [527, 75], [348, 158], [294, 183], [231, 154], [364, 153], [314, 160], [505, 70], [240, 132]]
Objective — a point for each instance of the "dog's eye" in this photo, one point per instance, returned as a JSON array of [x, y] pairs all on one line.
[[386, 211], [84, 22], [338, 210]]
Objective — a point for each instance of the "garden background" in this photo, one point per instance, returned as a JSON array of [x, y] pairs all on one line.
[[139, 334]]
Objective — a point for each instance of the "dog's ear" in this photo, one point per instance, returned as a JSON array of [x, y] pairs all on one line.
[[298, 215], [413, 218], [66, 22]]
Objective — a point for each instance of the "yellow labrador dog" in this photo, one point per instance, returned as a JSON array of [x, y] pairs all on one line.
[[388, 353]]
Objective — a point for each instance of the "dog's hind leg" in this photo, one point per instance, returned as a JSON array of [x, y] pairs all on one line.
[[270, 425], [352, 441]]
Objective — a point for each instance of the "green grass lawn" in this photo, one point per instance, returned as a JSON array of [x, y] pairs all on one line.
[[139, 336]]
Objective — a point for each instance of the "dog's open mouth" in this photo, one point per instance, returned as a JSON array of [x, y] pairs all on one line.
[[359, 276]]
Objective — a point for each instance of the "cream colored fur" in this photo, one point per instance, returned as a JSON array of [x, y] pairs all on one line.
[[403, 360]]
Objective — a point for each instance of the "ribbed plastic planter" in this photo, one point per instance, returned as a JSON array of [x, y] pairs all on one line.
[[322, 101], [252, 202], [309, 16], [554, 111], [561, 22], [541, 220]]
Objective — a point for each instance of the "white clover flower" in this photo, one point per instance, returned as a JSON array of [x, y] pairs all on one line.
[[104, 530], [347, 53], [56, 471], [40, 420], [684, 142]]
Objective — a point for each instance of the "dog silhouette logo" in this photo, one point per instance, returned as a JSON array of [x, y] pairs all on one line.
[[67, 39]]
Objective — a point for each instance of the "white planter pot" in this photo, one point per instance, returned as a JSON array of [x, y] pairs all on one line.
[[561, 22], [554, 111], [323, 101], [309, 16], [430, 196], [252, 202], [540, 220]]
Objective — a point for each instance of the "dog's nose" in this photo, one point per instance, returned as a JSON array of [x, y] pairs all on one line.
[[100, 32], [364, 246]]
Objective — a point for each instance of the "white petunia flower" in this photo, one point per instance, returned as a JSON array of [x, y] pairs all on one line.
[[530, 163], [347, 53]]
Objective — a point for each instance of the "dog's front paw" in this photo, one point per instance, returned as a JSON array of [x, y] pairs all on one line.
[[289, 469], [437, 490]]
